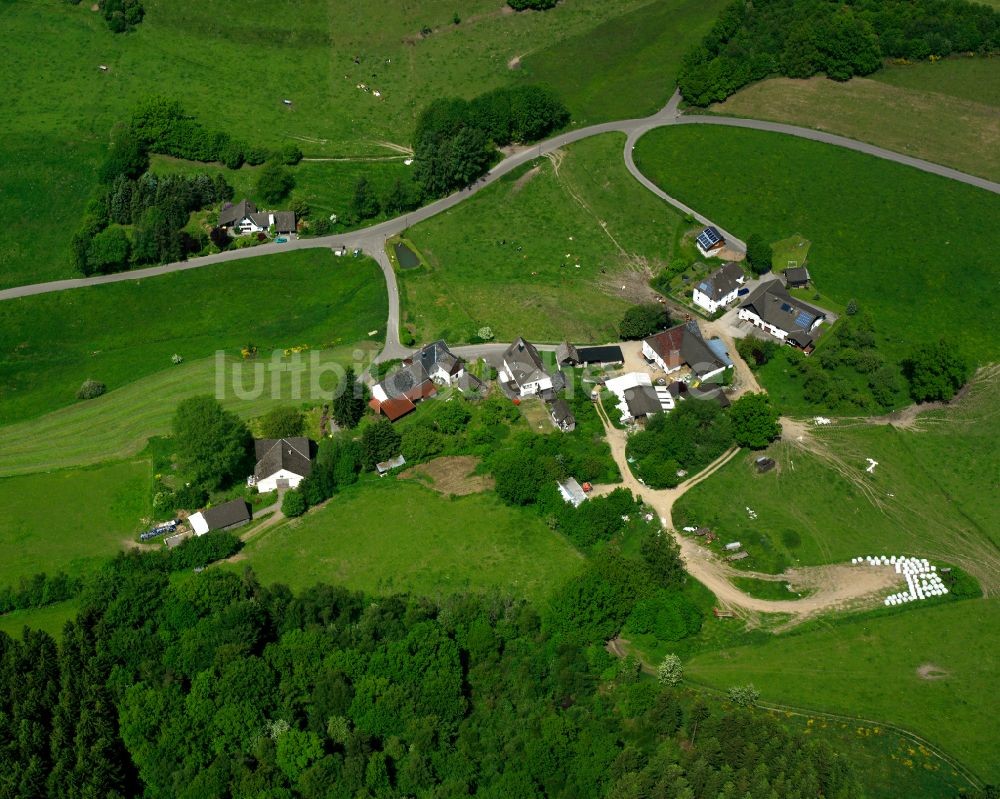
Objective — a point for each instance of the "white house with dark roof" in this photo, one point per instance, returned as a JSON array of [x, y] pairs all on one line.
[[720, 288], [281, 462], [523, 370], [243, 218], [790, 320]]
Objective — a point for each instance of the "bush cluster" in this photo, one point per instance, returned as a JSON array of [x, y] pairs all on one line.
[[800, 38]]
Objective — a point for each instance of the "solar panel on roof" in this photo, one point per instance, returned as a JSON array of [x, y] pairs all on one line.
[[708, 237], [804, 319]]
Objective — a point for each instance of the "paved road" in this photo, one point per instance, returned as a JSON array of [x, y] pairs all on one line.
[[372, 239]]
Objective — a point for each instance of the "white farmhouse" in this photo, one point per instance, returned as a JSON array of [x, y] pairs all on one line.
[[281, 462], [788, 319], [523, 370], [244, 218], [720, 288]]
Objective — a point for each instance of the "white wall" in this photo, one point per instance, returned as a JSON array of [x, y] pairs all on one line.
[[751, 317], [270, 483]]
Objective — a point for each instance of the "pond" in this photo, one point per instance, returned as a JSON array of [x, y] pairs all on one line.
[[407, 258]]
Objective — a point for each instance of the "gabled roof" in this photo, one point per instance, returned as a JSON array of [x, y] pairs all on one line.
[[775, 306], [393, 409], [437, 353], [710, 238], [277, 454], [405, 380], [227, 514], [566, 353], [235, 213], [284, 221], [724, 280], [797, 274], [684, 344], [561, 413], [468, 382], [642, 401], [525, 363]]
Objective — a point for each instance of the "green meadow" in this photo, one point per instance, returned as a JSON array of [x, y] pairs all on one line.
[[70, 520], [544, 252], [624, 67], [905, 244], [232, 66], [121, 332], [932, 494], [385, 536], [51, 619], [923, 668]]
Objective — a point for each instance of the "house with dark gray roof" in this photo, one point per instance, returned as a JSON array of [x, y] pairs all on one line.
[[683, 345], [796, 277], [710, 241], [562, 416], [281, 462], [243, 218], [226, 516], [418, 378], [523, 369], [719, 288], [771, 308]]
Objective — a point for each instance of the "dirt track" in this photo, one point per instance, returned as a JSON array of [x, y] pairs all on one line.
[[834, 587]]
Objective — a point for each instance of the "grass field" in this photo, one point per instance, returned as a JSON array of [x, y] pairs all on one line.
[[933, 493], [631, 61], [958, 132], [118, 424], [868, 667], [386, 536], [965, 78], [51, 619], [507, 257], [121, 332], [900, 241], [59, 108], [70, 520]]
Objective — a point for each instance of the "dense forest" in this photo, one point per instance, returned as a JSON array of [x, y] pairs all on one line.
[[214, 685], [800, 38]]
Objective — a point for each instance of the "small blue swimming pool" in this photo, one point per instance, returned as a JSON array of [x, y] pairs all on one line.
[[281, 240]]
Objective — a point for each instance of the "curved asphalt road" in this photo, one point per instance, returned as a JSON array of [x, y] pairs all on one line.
[[372, 239]]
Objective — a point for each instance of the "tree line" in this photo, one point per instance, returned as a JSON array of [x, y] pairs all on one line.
[[800, 38], [455, 140], [219, 686]]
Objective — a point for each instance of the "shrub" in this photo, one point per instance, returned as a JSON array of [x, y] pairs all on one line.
[[936, 371], [290, 154], [744, 695], [640, 321], [667, 615], [90, 389], [274, 182], [282, 422], [294, 504], [670, 671], [759, 254]]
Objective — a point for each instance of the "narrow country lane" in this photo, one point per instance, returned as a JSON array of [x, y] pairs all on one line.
[[837, 587]]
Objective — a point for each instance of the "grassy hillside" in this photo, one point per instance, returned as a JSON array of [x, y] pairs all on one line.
[[625, 67], [508, 256], [118, 333], [933, 493], [51, 619], [965, 78], [871, 667], [385, 536], [70, 520], [904, 243], [232, 64], [118, 424], [958, 132]]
